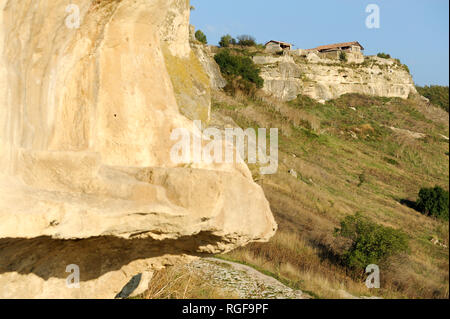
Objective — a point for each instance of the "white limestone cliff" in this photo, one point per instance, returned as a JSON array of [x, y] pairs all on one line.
[[85, 124], [287, 76]]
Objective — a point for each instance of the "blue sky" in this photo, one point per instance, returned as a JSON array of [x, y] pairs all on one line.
[[415, 31]]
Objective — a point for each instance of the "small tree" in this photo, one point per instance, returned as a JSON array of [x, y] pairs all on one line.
[[239, 66], [433, 202], [240, 71], [226, 40], [246, 40], [343, 56], [200, 36], [371, 243]]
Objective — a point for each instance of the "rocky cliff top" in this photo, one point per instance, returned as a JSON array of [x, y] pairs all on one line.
[[326, 77]]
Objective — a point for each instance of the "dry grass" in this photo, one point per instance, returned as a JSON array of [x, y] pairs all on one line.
[[181, 282], [296, 261], [341, 175], [295, 116]]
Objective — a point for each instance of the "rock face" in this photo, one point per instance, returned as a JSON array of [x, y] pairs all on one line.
[[206, 58], [87, 178], [210, 66], [323, 79]]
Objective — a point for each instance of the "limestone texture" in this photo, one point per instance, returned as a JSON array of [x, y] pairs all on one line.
[[287, 76], [205, 55], [85, 141]]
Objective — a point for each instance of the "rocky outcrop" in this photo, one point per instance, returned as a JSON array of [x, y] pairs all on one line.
[[206, 57], [189, 80], [323, 79], [282, 77], [87, 179]]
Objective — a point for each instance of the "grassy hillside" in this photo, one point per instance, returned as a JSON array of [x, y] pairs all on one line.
[[356, 154]]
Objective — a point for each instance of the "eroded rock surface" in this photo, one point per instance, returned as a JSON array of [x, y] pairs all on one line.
[[206, 57], [287, 76], [87, 178]]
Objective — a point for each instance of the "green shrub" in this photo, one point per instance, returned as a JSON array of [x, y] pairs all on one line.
[[226, 41], [240, 68], [433, 202], [384, 55], [370, 243], [200, 36], [438, 95], [404, 66], [343, 56], [246, 40]]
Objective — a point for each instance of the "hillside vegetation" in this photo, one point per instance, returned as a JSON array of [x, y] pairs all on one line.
[[438, 95], [354, 157]]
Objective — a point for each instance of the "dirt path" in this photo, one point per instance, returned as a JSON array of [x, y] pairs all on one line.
[[244, 281]]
